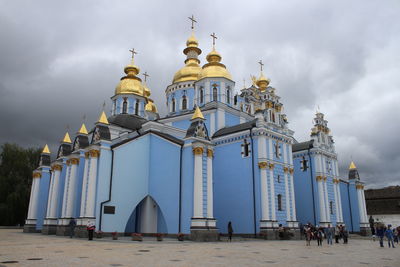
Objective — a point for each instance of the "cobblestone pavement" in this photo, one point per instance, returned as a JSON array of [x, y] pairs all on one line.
[[19, 249]]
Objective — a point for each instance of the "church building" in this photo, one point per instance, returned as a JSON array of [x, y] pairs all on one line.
[[216, 157]]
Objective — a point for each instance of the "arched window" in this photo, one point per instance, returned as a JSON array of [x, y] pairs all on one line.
[[228, 96], [331, 207], [215, 94], [137, 108], [124, 106], [201, 95], [273, 116], [184, 103], [173, 104], [279, 202]]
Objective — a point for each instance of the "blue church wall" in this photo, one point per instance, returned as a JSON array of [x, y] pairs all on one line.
[[164, 179], [187, 189], [355, 215], [346, 209], [231, 120], [307, 207], [61, 188], [43, 195], [233, 189], [280, 190], [78, 189], [183, 124], [331, 198]]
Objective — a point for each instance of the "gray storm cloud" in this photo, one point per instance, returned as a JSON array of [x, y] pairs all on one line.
[[60, 60]]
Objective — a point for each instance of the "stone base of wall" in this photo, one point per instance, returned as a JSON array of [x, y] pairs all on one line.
[[30, 228], [365, 231], [49, 229], [63, 230], [81, 231], [274, 234], [204, 235]]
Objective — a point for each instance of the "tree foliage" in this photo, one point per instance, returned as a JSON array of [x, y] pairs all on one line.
[[16, 166]]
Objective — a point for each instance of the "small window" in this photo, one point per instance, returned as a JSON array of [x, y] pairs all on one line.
[[278, 178], [331, 207], [173, 105], [201, 95], [215, 94], [245, 149], [137, 108], [277, 150], [228, 96], [124, 106], [184, 103], [235, 98], [304, 164], [273, 116], [280, 202]]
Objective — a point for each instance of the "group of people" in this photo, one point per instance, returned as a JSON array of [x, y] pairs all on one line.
[[381, 231], [320, 233], [90, 227]]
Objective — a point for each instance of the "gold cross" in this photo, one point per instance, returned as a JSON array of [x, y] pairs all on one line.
[[214, 37], [261, 64], [193, 21], [133, 52], [145, 76]]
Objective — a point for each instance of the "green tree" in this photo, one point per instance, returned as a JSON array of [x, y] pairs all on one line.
[[16, 166]]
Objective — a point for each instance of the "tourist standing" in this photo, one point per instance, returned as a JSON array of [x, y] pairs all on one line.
[[230, 231], [319, 236], [72, 224], [90, 228], [389, 235], [308, 234], [380, 232], [337, 234], [328, 234], [345, 234]]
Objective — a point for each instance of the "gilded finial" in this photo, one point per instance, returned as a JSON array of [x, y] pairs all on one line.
[[83, 129], [352, 166], [46, 149], [66, 139], [197, 114], [103, 118]]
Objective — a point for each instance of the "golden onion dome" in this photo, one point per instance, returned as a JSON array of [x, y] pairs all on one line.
[[150, 106], [262, 82], [191, 70], [130, 84], [214, 67], [146, 90]]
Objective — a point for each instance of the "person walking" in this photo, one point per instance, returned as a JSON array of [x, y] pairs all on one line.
[[345, 235], [72, 224], [389, 235], [308, 234], [319, 236], [337, 234], [90, 228], [380, 233], [328, 234], [230, 231], [396, 235]]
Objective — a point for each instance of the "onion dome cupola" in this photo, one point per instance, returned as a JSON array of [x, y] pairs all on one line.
[[65, 147], [130, 93], [215, 82], [81, 140], [180, 93]]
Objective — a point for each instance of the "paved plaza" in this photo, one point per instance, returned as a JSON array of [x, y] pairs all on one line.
[[19, 249]]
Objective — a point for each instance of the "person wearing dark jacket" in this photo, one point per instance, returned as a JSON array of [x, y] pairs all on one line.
[[380, 232], [72, 224], [230, 231]]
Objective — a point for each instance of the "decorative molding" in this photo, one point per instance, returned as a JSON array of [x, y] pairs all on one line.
[[271, 166], [74, 161], [319, 178], [37, 175], [291, 170], [56, 167], [324, 177], [87, 154], [94, 153], [285, 169], [262, 165], [359, 186], [210, 153], [198, 151], [68, 162]]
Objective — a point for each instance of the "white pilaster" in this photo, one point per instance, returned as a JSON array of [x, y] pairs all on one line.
[[85, 186], [210, 213], [265, 215], [71, 198], [56, 191], [212, 123], [321, 199], [33, 203], [327, 208], [294, 217], [220, 118], [50, 196], [287, 197], [91, 192], [198, 183], [65, 193]]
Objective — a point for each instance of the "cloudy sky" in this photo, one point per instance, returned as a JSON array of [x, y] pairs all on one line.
[[60, 60]]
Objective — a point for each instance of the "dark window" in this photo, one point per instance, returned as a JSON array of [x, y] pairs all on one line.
[[215, 94], [173, 104], [277, 152], [280, 202], [235, 99], [228, 96], [245, 149], [124, 106], [279, 178], [201, 95], [273, 116], [304, 164], [184, 102], [331, 207], [137, 108]]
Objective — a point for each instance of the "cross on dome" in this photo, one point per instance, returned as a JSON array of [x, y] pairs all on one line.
[[145, 76], [214, 37], [261, 65], [193, 21]]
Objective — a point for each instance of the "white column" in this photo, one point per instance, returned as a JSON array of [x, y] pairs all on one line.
[[336, 200], [294, 217], [340, 203], [327, 208], [287, 196], [220, 118], [85, 186], [321, 199], [71, 198], [56, 191], [91, 192], [210, 213], [212, 123], [265, 216], [360, 205], [50, 196], [32, 211], [65, 193], [364, 204], [272, 185], [198, 183]]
